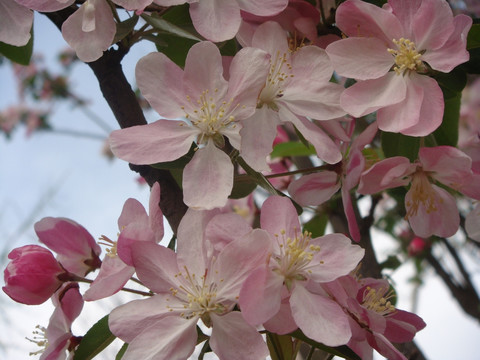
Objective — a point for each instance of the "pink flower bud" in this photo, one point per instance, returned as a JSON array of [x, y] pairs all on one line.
[[33, 275], [76, 248], [417, 246]]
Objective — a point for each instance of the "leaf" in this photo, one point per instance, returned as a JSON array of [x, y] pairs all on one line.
[[453, 82], [447, 133], [282, 347], [394, 144], [473, 38], [124, 28], [95, 340], [342, 351], [19, 54], [162, 24], [243, 185], [121, 352], [174, 47], [392, 262], [292, 148], [317, 225]]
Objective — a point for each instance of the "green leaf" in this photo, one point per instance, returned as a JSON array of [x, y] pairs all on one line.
[[174, 47], [121, 352], [453, 82], [228, 48], [282, 347], [472, 66], [394, 144], [342, 351], [95, 340], [124, 28], [243, 185], [392, 262], [19, 54], [473, 38], [447, 133], [292, 148], [160, 23], [317, 225]]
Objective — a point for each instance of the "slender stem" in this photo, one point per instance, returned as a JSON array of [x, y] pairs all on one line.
[[76, 134], [73, 277], [310, 354]]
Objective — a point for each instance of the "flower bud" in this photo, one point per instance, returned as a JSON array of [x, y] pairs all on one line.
[[33, 275], [417, 246]]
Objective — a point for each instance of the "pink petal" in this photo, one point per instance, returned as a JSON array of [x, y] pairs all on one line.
[[161, 141], [367, 96], [360, 58], [171, 338], [216, 20], [319, 317], [156, 265], [402, 326], [16, 22], [472, 223], [353, 228], [443, 221], [156, 216], [314, 189], [389, 173], [282, 322], [208, 178], [230, 334], [253, 149], [453, 52], [263, 7], [431, 112], [90, 45], [337, 257], [279, 215], [45, 5], [447, 164], [132, 233], [113, 275], [361, 19], [133, 211], [225, 228], [261, 295], [272, 38], [238, 259], [158, 80]]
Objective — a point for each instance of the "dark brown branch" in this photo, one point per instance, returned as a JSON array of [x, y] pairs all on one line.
[[123, 102]]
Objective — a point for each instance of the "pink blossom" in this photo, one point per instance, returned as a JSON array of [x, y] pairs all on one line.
[[212, 107], [472, 223], [134, 225], [408, 37], [417, 246], [317, 188], [281, 295], [90, 30], [431, 210], [297, 87], [374, 321], [15, 23], [219, 20], [46, 5], [192, 284], [76, 248], [32, 275], [57, 338]]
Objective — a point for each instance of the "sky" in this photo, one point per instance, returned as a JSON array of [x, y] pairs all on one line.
[[50, 174]]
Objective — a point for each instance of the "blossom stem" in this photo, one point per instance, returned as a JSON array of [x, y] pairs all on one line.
[[73, 277]]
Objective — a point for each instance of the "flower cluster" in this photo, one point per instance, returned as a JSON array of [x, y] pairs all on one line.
[[236, 272]]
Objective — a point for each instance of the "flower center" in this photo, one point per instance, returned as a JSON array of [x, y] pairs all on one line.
[[406, 56], [295, 257], [199, 297], [422, 194], [40, 339], [276, 81], [378, 300], [210, 115], [111, 249]]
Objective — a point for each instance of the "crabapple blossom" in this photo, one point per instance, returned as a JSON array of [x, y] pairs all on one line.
[[389, 50], [76, 248], [46, 5], [15, 23], [57, 338], [430, 209], [134, 225], [317, 188], [32, 275], [282, 294], [298, 86], [193, 284], [219, 20], [374, 320], [212, 107]]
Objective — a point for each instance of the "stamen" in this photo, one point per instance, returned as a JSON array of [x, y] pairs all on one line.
[[406, 56], [40, 339], [378, 300], [422, 194], [111, 249]]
